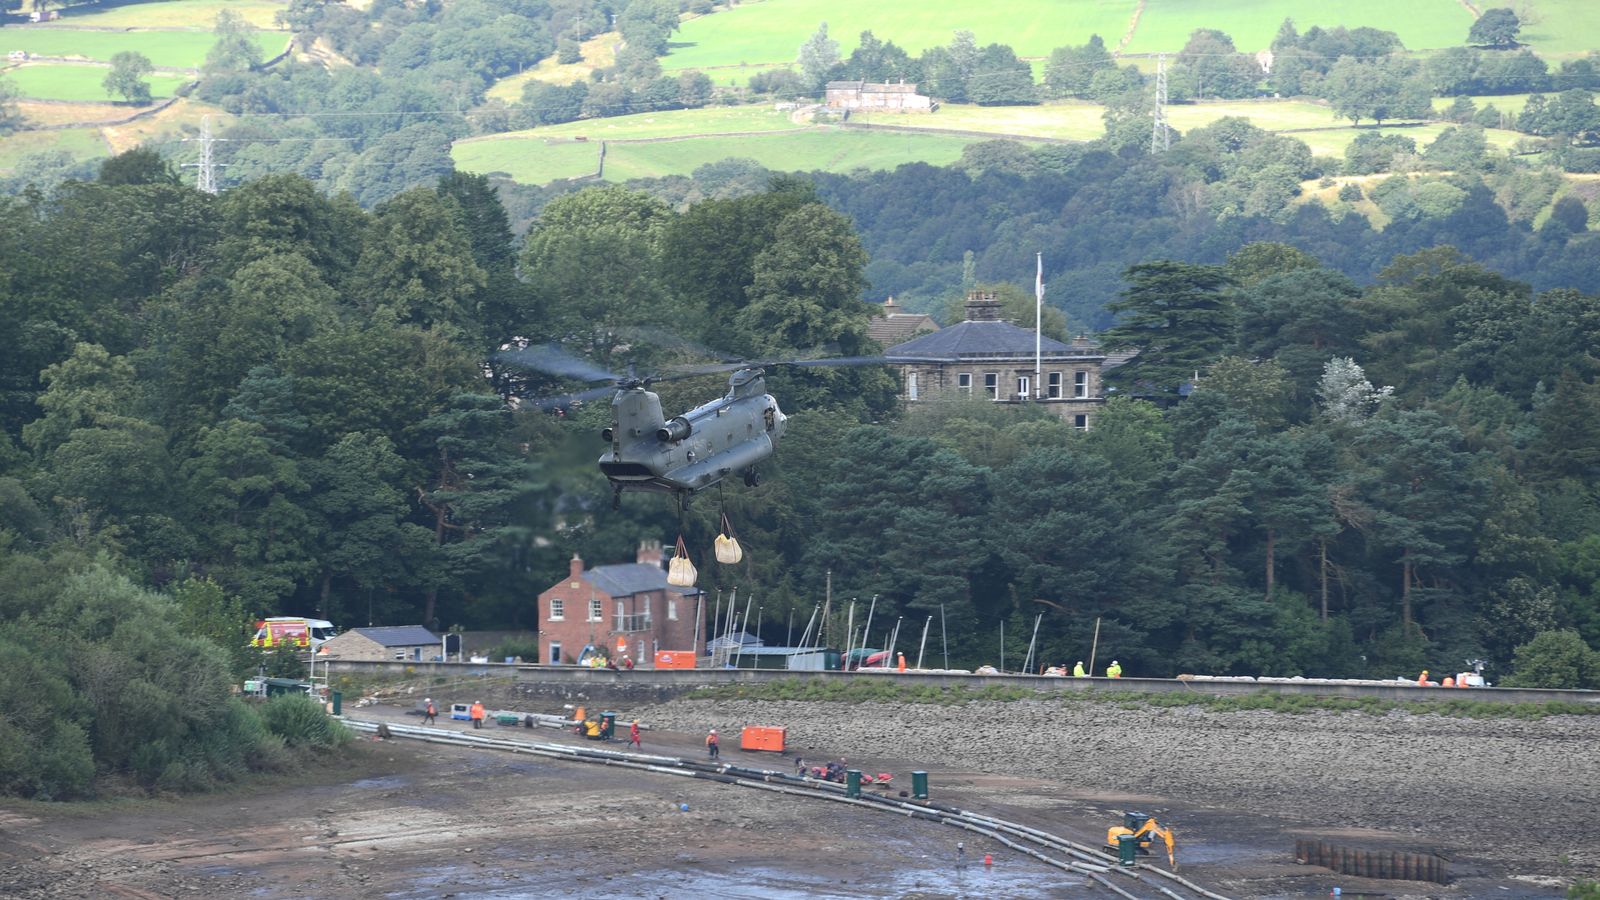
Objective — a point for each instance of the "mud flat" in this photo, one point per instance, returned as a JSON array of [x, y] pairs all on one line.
[[1510, 802], [1507, 801]]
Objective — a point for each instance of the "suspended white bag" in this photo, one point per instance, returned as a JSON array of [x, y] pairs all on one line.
[[728, 550], [680, 571]]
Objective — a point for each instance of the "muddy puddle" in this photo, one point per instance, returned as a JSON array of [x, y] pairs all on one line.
[[950, 883]]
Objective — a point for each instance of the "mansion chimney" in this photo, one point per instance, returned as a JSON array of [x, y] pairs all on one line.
[[982, 307]]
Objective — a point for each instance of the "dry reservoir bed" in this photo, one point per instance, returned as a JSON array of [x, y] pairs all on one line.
[[1509, 802]]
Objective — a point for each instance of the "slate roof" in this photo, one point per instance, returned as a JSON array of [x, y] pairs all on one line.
[[623, 579], [398, 635], [891, 326], [872, 87], [981, 339], [743, 639]]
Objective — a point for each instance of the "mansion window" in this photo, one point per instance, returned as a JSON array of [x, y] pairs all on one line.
[[1054, 386], [1080, 422], [964, 383], [991, 385], [1080, 384], [911, 386]]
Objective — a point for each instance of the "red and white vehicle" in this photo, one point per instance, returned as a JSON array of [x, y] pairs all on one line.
[[291, 631]]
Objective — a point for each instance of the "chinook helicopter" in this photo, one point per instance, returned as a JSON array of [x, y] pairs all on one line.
[[690, 452]]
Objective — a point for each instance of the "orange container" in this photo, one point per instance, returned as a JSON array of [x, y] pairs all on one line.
[[759, 737], [674, 659]]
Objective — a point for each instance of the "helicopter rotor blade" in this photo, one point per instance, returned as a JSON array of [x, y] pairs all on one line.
[[552, 360], [548, 403], [833, 362]]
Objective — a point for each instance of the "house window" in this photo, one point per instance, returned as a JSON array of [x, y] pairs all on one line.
[[672, 609], [991, 385], [911, 386], [595, 610], [1080, 384], [1080, 422], [555, 652], [1024, 386], [400, 653], [558, 609], [1055, 386], [964, 383]]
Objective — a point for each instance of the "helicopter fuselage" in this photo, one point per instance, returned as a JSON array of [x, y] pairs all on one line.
[[696, 450]]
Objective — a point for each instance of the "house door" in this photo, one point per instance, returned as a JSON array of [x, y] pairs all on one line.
[[555, 653]]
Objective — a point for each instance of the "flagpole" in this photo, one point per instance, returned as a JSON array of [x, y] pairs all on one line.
[[1038, 328]]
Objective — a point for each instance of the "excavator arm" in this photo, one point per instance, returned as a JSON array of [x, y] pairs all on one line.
[[1147, 833]]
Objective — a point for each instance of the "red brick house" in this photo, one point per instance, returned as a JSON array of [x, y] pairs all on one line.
[[626, 608]]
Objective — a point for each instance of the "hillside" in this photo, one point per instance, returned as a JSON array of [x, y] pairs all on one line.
[[56, 70], [769, 32], [676, 142]]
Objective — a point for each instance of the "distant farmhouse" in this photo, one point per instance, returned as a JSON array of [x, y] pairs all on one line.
[[865, 95], [987, 357]]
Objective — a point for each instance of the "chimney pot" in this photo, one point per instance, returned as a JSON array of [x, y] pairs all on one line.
[[575, 567]]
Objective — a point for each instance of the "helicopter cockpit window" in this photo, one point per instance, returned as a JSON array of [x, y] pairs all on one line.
[[770, 418]]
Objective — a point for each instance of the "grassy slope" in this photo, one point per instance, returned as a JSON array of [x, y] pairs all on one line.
[[68, 82], [176, 49], [598, 53], [530, 160], [169, 14], [82, 143], [1072, 120], [1560, 27], [733, 44], [527, 156], [1167, 24], [773, 30]]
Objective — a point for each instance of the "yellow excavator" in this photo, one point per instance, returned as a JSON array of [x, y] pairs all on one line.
[[1145, 830]]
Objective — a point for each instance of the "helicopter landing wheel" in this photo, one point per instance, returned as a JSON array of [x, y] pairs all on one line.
[[752, 478]]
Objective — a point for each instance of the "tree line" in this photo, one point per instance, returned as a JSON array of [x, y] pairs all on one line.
[[305, 404]]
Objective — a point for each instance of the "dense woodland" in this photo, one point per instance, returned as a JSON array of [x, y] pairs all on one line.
[[292, 397]]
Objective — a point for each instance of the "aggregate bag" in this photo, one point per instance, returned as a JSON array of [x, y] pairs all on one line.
[[680, 571], [728, 550]]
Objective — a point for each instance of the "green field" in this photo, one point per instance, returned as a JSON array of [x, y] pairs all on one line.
[[527, 160], [173, 49], [705, 135], [1562, 27], [1333, 141], [531, 161], [1506, 103], [169, 14], [1071, 120], [81, 143], [1166, 24], [69, 82], [771, 31], [1273, 115], [672, 123]]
